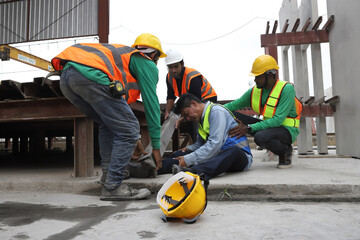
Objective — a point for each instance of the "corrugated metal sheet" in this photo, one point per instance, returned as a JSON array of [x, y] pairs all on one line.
[[12, 21], [23, 20]]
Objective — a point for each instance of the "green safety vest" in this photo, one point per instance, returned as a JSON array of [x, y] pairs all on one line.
[[204, 129], [241, 142], [268, 111]]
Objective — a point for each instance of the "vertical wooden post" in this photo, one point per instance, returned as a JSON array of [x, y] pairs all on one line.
[[103, 21], [7, 143], [15, 145], [83, 147]]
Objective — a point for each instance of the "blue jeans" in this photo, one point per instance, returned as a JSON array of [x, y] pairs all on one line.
[[118, 127], [232, 159]]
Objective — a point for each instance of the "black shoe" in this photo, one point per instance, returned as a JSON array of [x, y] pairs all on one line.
[[176, 169], [285, 159], [284, 164]]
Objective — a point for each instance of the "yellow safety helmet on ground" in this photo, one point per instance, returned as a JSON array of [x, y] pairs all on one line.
[[147, 39], [182, 197], [262, 64]]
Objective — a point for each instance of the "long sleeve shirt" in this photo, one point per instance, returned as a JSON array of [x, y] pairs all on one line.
[[285, 108], [220, 121], [146, 73]]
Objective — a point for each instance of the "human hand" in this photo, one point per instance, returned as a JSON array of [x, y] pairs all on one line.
[[157, 157], [182, 162], [184, 149], [239, 130], [166, 115], [139, 150], [181, 119]]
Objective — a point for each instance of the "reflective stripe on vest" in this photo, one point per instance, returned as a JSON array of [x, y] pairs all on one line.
[[204, 131], [112, 59], [206, 89], [268, 111]]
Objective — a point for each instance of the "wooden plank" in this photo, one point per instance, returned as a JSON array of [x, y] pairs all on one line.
[[38, 109]]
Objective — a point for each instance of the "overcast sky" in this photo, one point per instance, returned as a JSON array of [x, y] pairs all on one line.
[[221, 39]]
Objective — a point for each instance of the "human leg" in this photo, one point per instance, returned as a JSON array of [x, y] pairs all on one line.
[[118, 126], [67, 80], [70, 78], [277, 140], [232, 159], [117, 138], [167, 165], [169, 162]]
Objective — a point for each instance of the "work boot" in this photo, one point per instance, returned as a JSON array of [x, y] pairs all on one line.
[[285, 159], [176, 168], [289, 153], [103, 178], [123, 192]]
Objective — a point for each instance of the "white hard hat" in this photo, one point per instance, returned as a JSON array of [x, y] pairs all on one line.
[[173, 56]]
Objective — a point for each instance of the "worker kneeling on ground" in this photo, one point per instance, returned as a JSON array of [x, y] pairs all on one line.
[[102, 80], [214, 152], [275, 100]]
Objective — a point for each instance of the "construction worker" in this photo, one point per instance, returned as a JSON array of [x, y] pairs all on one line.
[[275, 100], [180, 80], [214, 152], [102, 80]]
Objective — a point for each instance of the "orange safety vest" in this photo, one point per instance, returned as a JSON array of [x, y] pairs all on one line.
[[206, 89], [112, 59], [269, 109]]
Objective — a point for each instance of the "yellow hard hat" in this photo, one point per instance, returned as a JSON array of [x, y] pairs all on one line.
[[182, 196], [263, 64], [147, 39]]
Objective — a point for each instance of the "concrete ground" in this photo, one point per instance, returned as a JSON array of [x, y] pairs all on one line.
[[314, 177], [318, 198], [42, 215]]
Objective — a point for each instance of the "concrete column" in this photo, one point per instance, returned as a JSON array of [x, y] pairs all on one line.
[[309, 9], [321, 134], [306, 94], [302, 91], [344, 38], [285, 64]]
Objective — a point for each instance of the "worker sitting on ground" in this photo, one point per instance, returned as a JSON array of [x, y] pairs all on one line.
[[276, 101], [214, 152], [180, 80]]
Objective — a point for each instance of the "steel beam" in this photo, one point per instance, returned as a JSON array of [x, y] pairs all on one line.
[[314, 110], [294, 38]]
